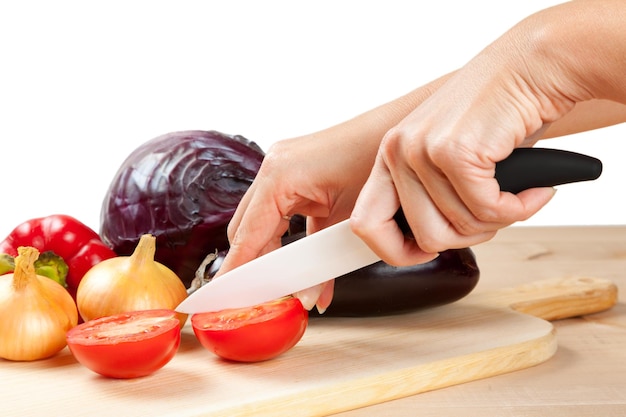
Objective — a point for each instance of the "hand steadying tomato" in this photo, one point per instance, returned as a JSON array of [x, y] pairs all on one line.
[[77, 244], [252, 334], [127, 345]]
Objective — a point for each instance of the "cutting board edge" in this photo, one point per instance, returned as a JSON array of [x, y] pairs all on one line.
[[422, 378]]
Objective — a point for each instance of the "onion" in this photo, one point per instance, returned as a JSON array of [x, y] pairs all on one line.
[[183, 188], [35, 312], [130, 283]]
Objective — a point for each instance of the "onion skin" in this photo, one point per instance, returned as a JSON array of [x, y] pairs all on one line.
[[381, 289], [183, 188], [130, 283]]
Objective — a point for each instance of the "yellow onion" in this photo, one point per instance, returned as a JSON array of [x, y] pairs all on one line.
[[35, 312], [130, 283]]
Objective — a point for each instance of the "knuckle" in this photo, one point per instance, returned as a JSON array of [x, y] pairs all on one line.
[[443, 158], [492, 211], [431, 244], [273, 158], [390, 145], [476, 222], [278, 155], [466, 227], [432, 239], [360, 226], [391, 138], [472, 224], [231, 231]]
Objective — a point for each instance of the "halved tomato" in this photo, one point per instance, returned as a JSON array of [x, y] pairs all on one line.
[[252, 334], [126, 345]]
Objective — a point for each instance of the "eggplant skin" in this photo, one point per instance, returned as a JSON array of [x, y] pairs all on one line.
[[381, 289]]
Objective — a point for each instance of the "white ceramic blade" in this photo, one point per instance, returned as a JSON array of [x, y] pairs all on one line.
[[309, 261]]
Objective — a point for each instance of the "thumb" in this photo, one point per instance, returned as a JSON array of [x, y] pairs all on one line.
[[534, 199]]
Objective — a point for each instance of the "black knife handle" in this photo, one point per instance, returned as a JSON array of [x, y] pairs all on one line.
[[536, 167], [539, 167]]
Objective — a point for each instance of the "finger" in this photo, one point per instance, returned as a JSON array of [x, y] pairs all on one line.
[[434, 215], [326, 296], [373, 221], [534, 199], [489, 209], [448, 221], [258, 231], [461, 217], [309, 296], [233, 225]]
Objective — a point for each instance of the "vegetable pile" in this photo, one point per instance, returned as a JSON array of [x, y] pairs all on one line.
[[166, 209]]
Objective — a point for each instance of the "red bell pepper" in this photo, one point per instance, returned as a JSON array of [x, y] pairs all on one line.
[[76, 243]]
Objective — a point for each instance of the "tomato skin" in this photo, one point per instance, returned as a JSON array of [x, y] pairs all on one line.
[[252, 334], [127, 345]]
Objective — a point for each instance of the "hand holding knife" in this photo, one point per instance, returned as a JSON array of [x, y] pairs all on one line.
[[335, 251]]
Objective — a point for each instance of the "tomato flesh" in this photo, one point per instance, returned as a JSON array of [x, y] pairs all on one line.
[[252, 334], [127, 345]]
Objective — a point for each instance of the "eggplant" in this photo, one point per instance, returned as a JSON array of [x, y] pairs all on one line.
[[381, 289]]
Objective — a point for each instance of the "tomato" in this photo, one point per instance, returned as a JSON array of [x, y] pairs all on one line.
[[252, 334], [126, 345]]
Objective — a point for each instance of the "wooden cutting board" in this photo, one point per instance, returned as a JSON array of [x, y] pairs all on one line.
[[340, 364]]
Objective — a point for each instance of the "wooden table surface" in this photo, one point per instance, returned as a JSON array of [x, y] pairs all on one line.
[[587, 375]]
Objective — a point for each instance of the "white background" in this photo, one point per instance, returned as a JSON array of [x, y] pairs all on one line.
[[83, 83]]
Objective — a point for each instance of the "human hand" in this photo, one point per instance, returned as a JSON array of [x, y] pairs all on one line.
[[439, 162], [318, 176], [439, 159]]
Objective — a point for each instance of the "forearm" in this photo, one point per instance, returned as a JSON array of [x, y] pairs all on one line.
[[368, 129], [570, 38], [587, 115]]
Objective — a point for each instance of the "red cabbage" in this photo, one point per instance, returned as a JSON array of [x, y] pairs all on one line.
[[182, 187]]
